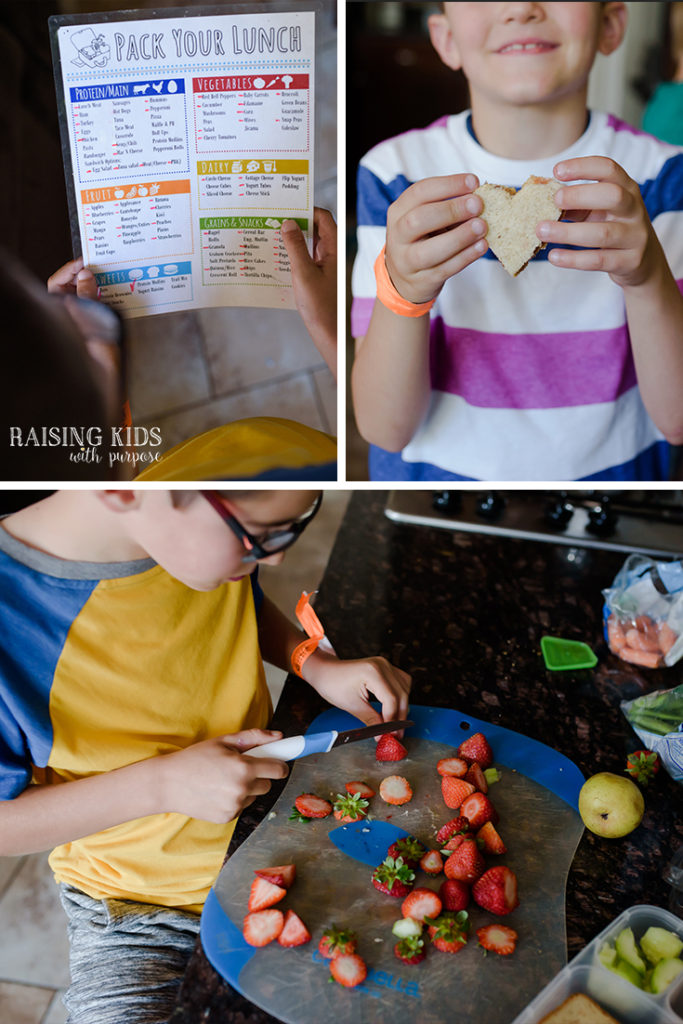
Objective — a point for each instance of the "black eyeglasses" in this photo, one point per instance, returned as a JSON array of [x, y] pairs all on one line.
[[271, 541]]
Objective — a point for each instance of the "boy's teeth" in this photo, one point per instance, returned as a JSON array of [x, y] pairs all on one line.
[[523, 46]]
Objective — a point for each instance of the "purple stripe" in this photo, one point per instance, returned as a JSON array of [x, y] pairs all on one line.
[[361, 311], [531, 371], [623, 126]]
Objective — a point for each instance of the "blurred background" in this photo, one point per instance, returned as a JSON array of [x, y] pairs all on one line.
[[390, 58], [188, 371]]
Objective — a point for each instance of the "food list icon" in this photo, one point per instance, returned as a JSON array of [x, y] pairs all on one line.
[[93, 50]]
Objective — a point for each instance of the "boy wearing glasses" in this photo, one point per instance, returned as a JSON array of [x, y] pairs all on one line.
[[131, 683]]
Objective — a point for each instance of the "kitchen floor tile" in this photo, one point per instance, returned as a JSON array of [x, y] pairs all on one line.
[[293, 398], [22, 1004], [33, 941], [252, 346], [56, 1013], [166, 363], [326, 390]]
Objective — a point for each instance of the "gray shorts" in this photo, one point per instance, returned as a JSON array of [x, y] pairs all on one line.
[[127, 959]]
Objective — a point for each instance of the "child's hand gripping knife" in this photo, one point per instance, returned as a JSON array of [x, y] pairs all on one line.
[[607, 217], [433, 233], [212, 780]]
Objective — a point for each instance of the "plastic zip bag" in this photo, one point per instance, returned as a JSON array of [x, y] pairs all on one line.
[[658, 720], [643, 612]]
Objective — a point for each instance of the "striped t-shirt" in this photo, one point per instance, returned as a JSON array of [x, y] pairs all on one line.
[[532, 377]]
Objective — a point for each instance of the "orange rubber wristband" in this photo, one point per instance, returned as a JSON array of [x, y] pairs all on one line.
[[313, 626], [389, 297]]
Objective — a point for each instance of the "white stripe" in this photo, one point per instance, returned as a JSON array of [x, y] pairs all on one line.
[[669, 229], [531, 444]]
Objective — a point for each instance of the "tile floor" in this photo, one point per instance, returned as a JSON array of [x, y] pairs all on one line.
[[33, 947]]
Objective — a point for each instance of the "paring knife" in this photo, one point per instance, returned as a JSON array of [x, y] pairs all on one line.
[[292, 747]]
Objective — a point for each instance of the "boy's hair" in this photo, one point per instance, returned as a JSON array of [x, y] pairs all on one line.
[[48, 381]]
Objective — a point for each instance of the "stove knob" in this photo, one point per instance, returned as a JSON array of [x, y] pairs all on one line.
[[558, 512], [447, 501], [490, 505], [602, 519]]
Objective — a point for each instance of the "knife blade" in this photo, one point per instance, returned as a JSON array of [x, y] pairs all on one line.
[[293, 747]]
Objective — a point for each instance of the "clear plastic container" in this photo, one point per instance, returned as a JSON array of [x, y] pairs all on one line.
[[627, 1003]]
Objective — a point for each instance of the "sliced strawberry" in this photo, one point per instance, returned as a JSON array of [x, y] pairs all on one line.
[[491, 840], [311, 806], [395, 790], [454, 766], [283, 874], [411, 950], [264, 894], [410, 848], [263, 927], [496, 890], [454, 895], [393, 877], [478, 809], [476, 776], [455, 790], [451, 828], [390, 748], [348, 969], [294, 932], [350, 808], [476, 748], [450, 931], [497, 938], [336, 941], [421, 903], [360, 789], [432, 862], [466, 863]]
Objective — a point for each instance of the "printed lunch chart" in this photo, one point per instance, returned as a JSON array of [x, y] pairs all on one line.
[[190, 141]]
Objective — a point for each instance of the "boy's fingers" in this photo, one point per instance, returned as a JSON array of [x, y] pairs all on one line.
[[595, 168], [65, 276], [594, 234], [433, 252], [86, 284], [248, 738], [295, 244], [436, 217], [432, 190], [600, 195]]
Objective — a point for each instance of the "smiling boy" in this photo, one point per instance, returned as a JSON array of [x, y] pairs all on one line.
[[574, 369], [131, 682]]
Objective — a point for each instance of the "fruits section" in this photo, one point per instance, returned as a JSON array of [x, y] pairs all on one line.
[[502, 910]]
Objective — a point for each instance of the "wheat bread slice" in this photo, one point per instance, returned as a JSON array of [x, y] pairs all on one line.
[[579, 1009], [512, 218]]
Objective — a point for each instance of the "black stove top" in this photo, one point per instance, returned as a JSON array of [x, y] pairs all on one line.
[[650, 522]]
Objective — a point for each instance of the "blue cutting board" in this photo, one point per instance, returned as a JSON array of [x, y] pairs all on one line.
[[537, 799]]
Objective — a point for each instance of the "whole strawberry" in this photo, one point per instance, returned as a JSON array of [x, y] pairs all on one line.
[[476, 748], [336, 941], [393, 877], [642, 765], [389, 748], [449, 932], [466, 863], [410, 848], [496, 890], [454, 895], [410, 950]]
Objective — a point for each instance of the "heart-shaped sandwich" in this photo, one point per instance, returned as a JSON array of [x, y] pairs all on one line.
[[512, 218]]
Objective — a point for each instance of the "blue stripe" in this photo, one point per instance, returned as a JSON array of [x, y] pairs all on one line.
[[375, 197], [256, 591], [652, 464], [37, 612], [324, 471], [665, 192]]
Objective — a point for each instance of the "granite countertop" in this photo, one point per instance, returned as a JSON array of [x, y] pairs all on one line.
[[464, 615]]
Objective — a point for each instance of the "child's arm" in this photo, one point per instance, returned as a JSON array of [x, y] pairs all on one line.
[[432, 233], [346, 684], [314, 280], [611, 220], [210, 780]]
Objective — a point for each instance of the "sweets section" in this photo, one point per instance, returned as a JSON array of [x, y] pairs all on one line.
[[175, 165]]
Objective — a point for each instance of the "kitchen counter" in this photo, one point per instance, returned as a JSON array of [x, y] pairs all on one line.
[[464, 615]]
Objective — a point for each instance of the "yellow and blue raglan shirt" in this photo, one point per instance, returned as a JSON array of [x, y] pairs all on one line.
[[102, 665]]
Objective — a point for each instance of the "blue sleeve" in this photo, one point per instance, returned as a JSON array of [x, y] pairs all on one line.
[[375, 197], [256, 591], [665, 192], [15, 759]]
